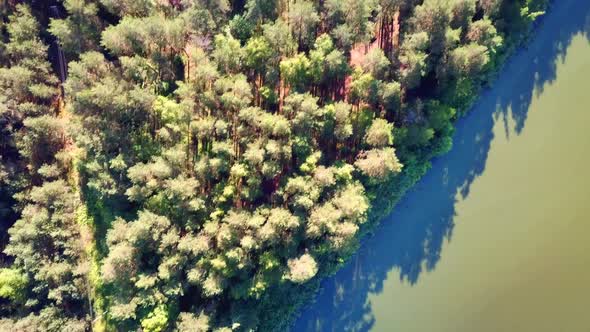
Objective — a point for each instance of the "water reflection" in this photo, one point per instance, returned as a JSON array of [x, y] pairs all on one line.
[[410, 240]]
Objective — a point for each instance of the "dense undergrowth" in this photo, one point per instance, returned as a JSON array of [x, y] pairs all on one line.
[[206, 163]]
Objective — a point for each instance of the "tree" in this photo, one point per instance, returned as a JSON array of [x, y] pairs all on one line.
[[227, 53], [490, 7], [153, 42], [216, 11], [156, 321], [350, 20], [28, 88], [80, 31], [112, 108], [29, 78], [378, 162], [144, 263], [434, 18], [390, 97], [47, 319], [278, 36], [261, 10], [380, 133], [41, 138], [328, 65], [440, 117], [13, 285], [340, 112], [46, 249], [468, 60], [189, 322], [303, 20], [413, 59], [338, 218], [295, 71], [483, 32], [363, 88], [376, 63], [257, 53], [304, 112], [463, 12], [124, 8], [302, 269]]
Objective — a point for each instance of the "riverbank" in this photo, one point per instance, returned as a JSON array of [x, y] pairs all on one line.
[[424, 239]]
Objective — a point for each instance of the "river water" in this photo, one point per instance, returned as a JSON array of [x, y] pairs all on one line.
[[496, 237]]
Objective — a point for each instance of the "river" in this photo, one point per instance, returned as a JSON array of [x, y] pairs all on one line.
[[496, 236]]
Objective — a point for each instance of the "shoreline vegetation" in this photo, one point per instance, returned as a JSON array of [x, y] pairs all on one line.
[[206, 163]]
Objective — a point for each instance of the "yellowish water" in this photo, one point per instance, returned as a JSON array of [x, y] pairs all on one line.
[[519, 255]]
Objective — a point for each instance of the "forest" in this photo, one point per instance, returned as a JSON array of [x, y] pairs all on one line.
[[200, 165]]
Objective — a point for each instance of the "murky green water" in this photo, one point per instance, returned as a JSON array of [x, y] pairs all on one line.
[[497, 236]]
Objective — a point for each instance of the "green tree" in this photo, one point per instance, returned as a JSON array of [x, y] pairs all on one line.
[[463, 12], [378, 162], [28, 77], [302, 269], [46, 249], [189, 322], [380, 133], [390, 97], [13, 285], [468, 60], [28, 89], [129, 7], [80, 31], [350, 20], [154, 38], [413, 59], [303, 19], [376, 63], [490, 7], [227, 53], [39, 141], [329, 64], [144, 263], [483, 32], [295, 71], [261, 10], [278, 35], [434, 18]]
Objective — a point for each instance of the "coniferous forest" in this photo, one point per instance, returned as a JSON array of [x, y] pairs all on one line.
[[200, 165]]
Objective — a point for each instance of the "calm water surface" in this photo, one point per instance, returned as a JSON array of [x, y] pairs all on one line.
[[496, 237]]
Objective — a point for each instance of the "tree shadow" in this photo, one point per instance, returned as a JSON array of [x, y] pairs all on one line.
[[538, 62], [410, 240]]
